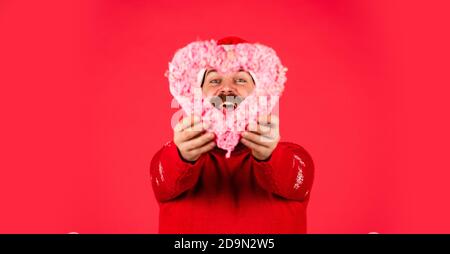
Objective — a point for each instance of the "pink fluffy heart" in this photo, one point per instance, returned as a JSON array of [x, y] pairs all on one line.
[[185, 85]]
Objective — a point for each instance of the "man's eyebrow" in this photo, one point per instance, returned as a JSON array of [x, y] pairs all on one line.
[[243, 70]]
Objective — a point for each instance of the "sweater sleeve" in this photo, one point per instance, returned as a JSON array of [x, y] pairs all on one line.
[[171, 175], [288, 173]]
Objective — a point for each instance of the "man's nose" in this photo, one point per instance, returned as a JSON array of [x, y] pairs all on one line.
[[227, 87]]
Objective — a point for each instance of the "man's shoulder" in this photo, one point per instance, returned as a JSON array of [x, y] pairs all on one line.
[[298, 153], [295, 148], [291, 145]]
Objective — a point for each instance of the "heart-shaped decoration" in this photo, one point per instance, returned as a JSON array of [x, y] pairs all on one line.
[[186, 71]]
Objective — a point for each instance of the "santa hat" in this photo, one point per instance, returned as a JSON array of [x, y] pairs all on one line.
[[230, 40]]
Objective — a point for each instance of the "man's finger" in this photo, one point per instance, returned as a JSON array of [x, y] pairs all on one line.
[[191, 132], [252, 126], [269, 132], [253, 146], [186, 122], [199, 141], [259, 128], [264, 119], [203, 149], [264, 129], [257, 139], [268, 120]]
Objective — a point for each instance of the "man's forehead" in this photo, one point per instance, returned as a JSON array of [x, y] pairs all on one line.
[[215, 71]]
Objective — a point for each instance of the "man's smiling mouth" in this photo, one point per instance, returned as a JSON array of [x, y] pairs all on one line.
[[226, 102]]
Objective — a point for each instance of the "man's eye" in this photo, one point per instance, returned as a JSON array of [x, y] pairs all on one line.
[[240, 80], [215, 81]]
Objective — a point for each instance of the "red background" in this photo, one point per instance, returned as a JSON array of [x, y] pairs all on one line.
[[85, 105]]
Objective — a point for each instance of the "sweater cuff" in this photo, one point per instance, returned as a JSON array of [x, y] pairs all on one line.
[[264, 170], [268, 163], [174, 157]]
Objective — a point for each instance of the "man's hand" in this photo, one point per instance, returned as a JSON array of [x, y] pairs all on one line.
[[262, 138], [191, 138]]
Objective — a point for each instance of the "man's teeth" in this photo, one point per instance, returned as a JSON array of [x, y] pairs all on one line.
[[228, 104]]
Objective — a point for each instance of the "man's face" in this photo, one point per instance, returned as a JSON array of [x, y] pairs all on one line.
[[227, 90]]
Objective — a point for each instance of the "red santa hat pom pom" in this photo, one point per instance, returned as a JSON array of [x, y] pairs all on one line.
[[230, 40]]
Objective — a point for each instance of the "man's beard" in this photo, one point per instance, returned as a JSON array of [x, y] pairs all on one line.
[[226, 102]]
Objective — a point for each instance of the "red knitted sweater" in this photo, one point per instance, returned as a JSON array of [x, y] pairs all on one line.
[[234, 195]]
